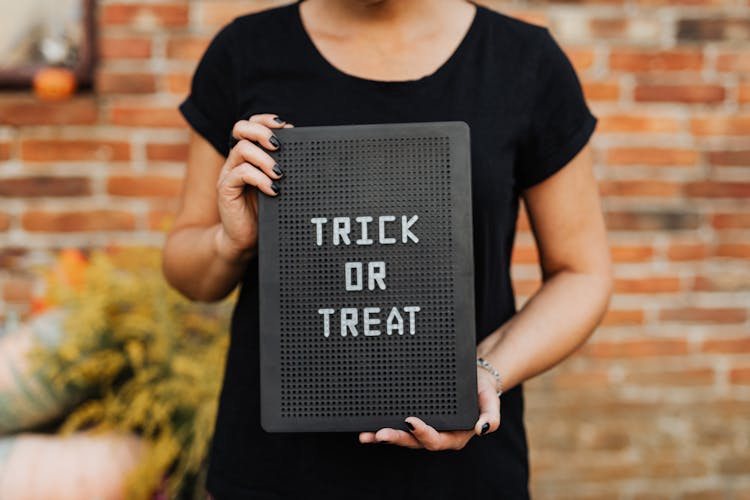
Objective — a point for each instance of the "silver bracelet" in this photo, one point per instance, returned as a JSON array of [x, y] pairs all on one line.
[[483, 363]]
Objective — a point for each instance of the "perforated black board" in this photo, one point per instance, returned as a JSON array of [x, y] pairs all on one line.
[[370, 368]]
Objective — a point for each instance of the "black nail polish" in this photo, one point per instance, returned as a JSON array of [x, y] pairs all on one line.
[[409, 425], [278, 120], [274, 141], [277, 169], [275, 188], [485, 427]]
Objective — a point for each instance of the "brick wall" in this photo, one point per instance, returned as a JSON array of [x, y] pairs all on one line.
[[658, 404]]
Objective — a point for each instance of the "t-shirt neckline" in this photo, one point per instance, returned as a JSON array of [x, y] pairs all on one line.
[[325, 64]]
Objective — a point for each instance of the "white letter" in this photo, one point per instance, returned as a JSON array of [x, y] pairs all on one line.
[[349, 320], [319, 221], [353, 286], [405, 232], [367, 320], [375, 272], [411, 310], [399, 325], [326, 321], [381, 226], [340, 230], [364, 240]]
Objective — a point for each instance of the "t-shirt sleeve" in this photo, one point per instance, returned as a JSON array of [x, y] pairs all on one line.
[[210, 106], [560, 122]]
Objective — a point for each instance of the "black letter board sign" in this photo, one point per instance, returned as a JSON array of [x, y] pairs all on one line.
[[367, 280]]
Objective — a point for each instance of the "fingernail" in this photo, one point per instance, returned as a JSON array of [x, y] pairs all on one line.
[[485, 427], [275, 187], [409, 425], [277, 169], [278, 120], [274, 141]]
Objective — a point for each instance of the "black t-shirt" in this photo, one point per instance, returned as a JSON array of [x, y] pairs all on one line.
[[514, 86]]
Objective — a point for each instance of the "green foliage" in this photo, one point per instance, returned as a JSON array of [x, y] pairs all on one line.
[[151, 360]]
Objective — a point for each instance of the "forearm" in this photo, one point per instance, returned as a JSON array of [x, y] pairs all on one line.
[[553, 323], [197, 263]]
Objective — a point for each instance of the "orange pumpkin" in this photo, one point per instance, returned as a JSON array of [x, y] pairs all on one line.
[[54, 84]]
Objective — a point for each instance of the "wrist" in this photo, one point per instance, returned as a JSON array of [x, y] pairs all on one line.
[[486, 366], [227, 250]]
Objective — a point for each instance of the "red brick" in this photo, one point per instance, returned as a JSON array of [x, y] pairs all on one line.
[[30, 187], [189, 48], [717, 189], [4, 222], [131, 47], [650, 285], [733, 62], [524, 254], [589, 379], [727, 346], [621, 317], [145, 15], [653, 220], [18, 290], [686, 377], [18, 110], [721, 125], [733, 250], [641, 61], [652, 156], [726, 315], [54, 150], [721, 282], [743, 93], [161, 220], [141, 116], [655, 3], [5, 151], [69, 221], [687, 251], [108, 82], [694, 93], [730, 158], [636, 124], [526, 287], [145, 186], [740, 376], [596, 90], [637, 348], [582, 58], [631, 253], [608, 27], [634, 188], [167, 152], [716, 28], [178, 83], [730, 220]]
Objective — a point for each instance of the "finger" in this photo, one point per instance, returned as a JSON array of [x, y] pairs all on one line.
[[397, 437], [247, 174], [247, 152], [252, 131], [270, 120], [430, 438], [489, 412], [367, 437]]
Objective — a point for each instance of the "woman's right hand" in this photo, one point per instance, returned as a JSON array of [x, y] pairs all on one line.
[[248, 168]]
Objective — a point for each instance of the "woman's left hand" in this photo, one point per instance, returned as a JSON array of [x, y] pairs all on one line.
[[421, 435]]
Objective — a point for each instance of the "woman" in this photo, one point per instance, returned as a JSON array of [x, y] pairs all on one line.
[[329, 62]]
